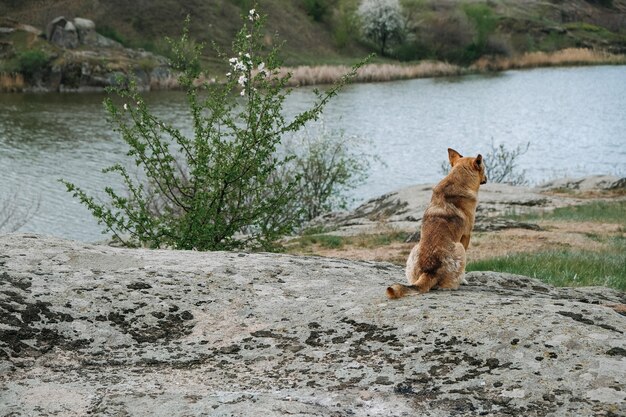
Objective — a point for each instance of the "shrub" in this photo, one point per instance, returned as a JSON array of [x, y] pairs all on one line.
[[501, 164], [484, 21], [111, 33], [317, 9], [14, 215], [345, 25], [32, 62], [325, 166], [217, 190]]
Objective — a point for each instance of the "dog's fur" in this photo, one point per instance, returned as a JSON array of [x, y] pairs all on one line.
[[438, 260]]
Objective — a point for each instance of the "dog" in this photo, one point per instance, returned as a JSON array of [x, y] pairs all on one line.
[[438, 260]]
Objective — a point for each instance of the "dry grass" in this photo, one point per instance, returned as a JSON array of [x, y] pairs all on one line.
[[570, 56], [10, 83], [328, 74]]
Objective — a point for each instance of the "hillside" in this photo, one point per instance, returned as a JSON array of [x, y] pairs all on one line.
[[324, 31], [316, 32]]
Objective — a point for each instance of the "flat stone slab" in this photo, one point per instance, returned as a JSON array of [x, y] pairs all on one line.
[[95, 330], [403, 209]]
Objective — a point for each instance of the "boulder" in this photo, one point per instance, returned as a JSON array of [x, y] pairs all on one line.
[[95, 330], [86, 30], [62, 32]]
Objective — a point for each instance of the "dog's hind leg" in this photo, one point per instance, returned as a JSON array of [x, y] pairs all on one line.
[[412, 271], [452, 272]]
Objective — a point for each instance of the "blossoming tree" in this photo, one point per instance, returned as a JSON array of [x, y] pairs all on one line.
[[382, 21]]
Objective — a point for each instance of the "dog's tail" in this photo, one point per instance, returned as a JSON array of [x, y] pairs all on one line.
[[401, 290], [423, 284]]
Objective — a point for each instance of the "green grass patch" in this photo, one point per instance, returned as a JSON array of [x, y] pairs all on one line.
[[325, 241], [566, 268], [597, 211]]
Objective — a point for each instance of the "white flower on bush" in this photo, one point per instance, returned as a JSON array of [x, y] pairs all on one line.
[[242, 80], [382, 21], [261, 69], [253, 15]]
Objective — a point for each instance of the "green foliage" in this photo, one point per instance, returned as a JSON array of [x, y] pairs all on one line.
[[345, 25], [484, 21], [605, 3], [317, 9], [32, 61], [220, 189], [111, 33], [597, 211]]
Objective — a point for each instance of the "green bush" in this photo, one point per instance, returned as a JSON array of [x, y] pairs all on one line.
[[484, 21], [317, 9], [220, 189], [111, 33], [32, 62]]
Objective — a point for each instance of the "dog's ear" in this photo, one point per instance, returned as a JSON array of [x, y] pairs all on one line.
[[453, 156], [478, 161]]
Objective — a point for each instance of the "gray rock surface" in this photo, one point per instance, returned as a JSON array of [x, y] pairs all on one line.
[[403, 209], [95, 330]]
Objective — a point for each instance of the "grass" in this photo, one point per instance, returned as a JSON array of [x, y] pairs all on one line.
[[596, 211], [564, 57], [328, 74], [563, 267]]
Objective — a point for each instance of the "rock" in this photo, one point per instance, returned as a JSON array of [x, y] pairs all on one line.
[[591, 183], [88, 329], [62, 32], [402, 209], [86, 30]]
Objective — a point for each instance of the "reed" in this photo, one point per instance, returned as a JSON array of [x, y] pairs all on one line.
[[564, 57], [328, 74], [11, 82]]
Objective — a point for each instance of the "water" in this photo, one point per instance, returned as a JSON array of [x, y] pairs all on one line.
[[574, 119]]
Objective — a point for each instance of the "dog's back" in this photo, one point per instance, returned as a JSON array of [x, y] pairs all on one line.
[[438, 260]]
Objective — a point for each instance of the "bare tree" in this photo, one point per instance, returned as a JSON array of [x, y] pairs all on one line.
[[501, 164], [13, 215]]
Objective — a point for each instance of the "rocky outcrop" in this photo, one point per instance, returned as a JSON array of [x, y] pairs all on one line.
[[95, 330], [403, 209], [79, 59]]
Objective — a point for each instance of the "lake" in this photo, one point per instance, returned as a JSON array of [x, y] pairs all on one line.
[[574, 119]]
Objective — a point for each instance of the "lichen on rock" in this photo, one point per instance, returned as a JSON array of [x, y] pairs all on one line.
[[88, 329]]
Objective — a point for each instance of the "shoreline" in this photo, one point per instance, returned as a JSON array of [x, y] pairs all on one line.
[[308, 75]]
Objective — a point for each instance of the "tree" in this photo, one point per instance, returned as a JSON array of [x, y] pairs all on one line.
[[220, 189], [15, 213], [382, 22]]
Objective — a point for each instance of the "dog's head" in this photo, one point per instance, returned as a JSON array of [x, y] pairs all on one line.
[[477, 164]]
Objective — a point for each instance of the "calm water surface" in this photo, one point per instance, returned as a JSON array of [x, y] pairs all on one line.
[[574, 119]]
